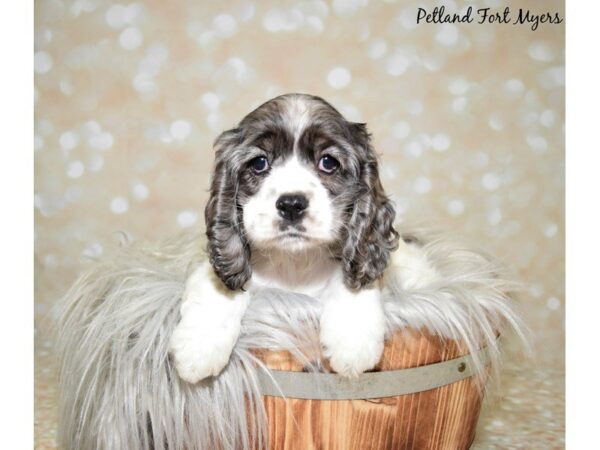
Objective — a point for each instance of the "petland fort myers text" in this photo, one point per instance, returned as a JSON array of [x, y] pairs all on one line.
[[490, 16]]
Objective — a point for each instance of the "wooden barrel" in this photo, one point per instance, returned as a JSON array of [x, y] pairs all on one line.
[[441, 418]]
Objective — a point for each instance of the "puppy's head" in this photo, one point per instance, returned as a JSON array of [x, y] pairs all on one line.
[[294, 175]]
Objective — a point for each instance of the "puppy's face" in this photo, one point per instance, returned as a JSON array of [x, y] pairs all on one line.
[[292, 209], [294, 175]]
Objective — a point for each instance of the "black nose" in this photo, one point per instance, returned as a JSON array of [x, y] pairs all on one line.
[[292, 206]]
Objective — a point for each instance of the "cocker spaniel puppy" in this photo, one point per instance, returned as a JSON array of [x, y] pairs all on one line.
[[296, 203]]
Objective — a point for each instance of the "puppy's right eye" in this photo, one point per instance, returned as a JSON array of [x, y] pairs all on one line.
[[259, 165]]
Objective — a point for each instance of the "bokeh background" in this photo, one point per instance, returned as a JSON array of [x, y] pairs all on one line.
[[468, 119]]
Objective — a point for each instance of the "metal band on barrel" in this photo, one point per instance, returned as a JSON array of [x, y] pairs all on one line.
[[329, 386]]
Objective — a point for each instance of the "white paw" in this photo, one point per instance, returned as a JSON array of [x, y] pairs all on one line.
[[352, 355], [352, 335], [210, 325], [199, 352]]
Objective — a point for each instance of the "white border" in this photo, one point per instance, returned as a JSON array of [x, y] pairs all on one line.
[[16, 122], [583, 223]]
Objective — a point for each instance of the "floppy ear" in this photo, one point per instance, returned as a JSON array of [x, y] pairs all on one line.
[[371, 236], [228, 250]]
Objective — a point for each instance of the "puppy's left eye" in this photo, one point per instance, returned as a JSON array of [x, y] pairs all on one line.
[[259, 165], [328, 164]]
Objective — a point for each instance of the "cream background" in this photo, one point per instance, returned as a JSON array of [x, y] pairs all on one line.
[[468, 119]]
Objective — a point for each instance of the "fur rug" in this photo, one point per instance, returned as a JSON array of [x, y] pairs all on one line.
[[119, 389]]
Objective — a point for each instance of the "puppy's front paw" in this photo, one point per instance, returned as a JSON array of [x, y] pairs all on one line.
[[199, 354], [353, 332], [350, 355]]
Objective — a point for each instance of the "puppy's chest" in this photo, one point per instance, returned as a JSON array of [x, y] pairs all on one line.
[[314, 278]]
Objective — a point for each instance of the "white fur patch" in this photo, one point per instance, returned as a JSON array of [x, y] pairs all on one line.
[[352, 328], [413, 269], [297, 116], [308, 272], [261, 217], [209, 328]]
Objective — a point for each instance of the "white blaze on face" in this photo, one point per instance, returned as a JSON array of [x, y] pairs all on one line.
[[263, 223], [297, 117]]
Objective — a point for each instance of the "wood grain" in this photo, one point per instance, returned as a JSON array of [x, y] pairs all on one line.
[[442, 418]]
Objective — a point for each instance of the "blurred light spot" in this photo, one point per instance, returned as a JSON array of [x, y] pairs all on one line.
[[377, 49], [42, 62], [180, 129], [495, 216], [93, 250], [68, 140], [246, 11], [315, 23], [447, 34], [95, 163], [548, 118], [440, 142], [414, 107], [552, 78], [144, 83], [481, 159], [75, 169], [50, 260], [38, 142], [553, 303], [496, 122], [140, 191], [348, 7], [187, 218], [538, 143], [119, 16], [101, 141], [536, 290], [42, 37], [214, 120], [65, 87], [211, 101], [413, 148], [422, 185], [458, 86], [157, 53], [239, 68], [351, 113], [73, 194], [514, 86], [397, 64], [115, 16], [459, 104], [407, 19], [131, 13], [119, 205], [131, 38], [275, 20], [540, 51], [225, 25], [433, 63], [339, 77], [550, 230], [455, 207], [490, 181], [401, 130], [92, 127]]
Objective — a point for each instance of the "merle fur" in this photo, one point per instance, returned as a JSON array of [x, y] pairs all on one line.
[[364, 243]]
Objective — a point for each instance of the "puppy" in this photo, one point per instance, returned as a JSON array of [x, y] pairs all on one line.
[[296, 203]]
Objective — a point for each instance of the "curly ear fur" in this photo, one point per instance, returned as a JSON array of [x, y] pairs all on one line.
[[228, 250], [371, 236]]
